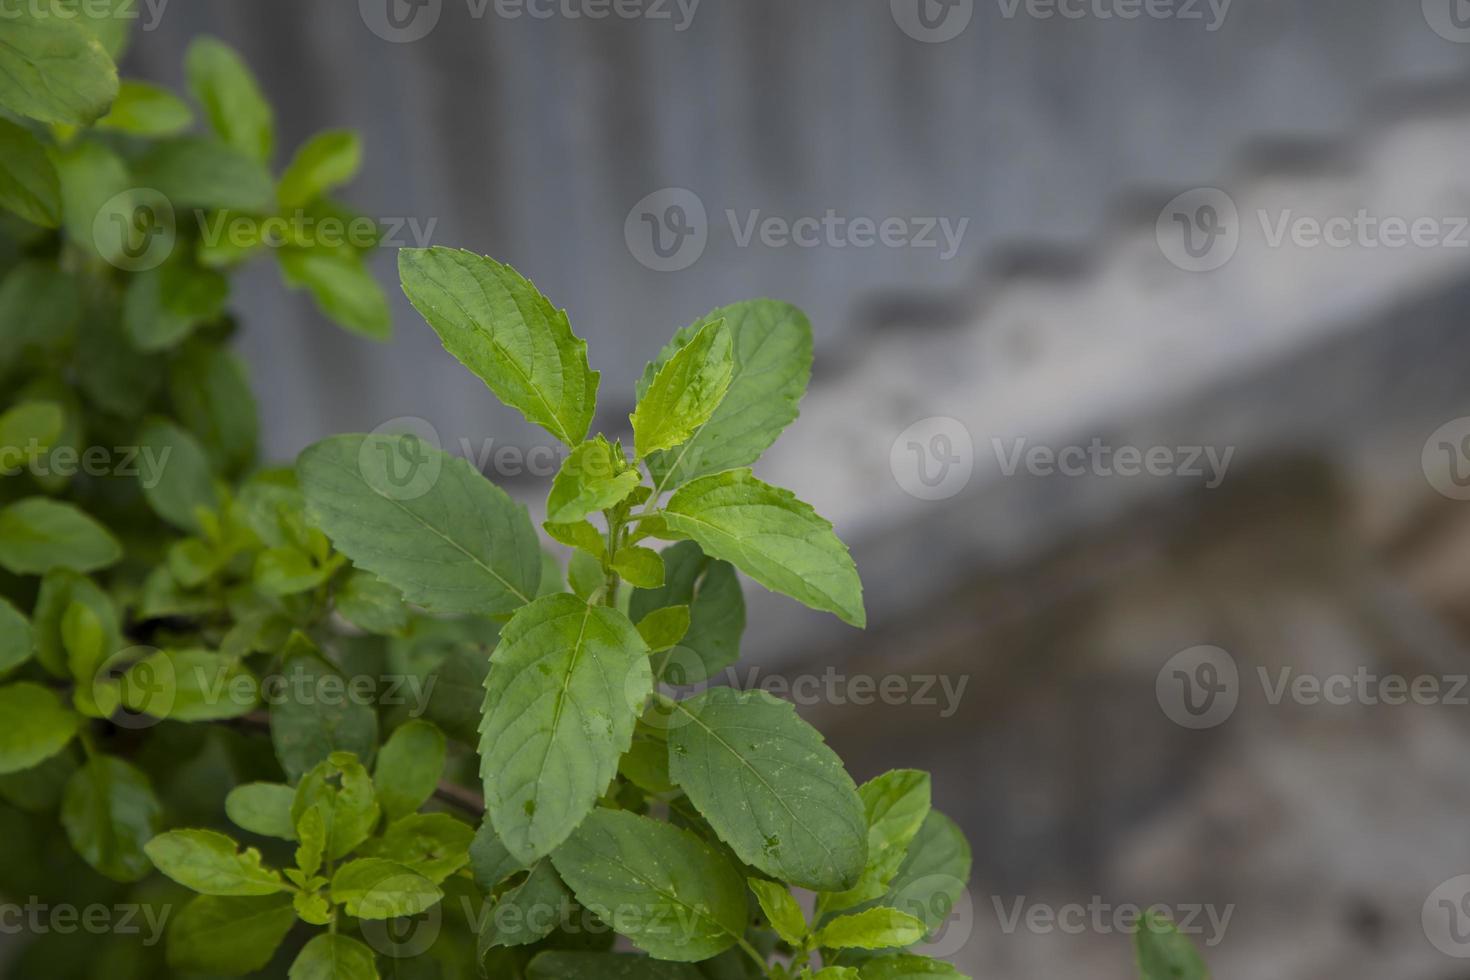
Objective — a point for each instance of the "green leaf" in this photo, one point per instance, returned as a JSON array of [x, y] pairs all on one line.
[[773, 537], [37, 535], [584, 575], [212, 399], [325, 161], [262, 808], [670, 893], [781, 909], [27, 431], [711, 590], [142, 109], [343, 288], [566, 684], [37, 726], [110, 813], [213, 864], [52, 68], [60, 590], [496, 323], [409, 766], [896, 804], [685, 391], [594, 477], [229, 936], [342, 792], [183, 484], [663, 628], [373, 888], [904, 967], [39, 308], [371, 604], [770, 787], [640, 566], [288, 571], [773, 363], [232, 100], [526, 912], [933, 874], [607, 966], [837, 973], [17, 639], [308, 724], [446, 537], [436, 845], [577, 534], [874, 928], [490, 860], [108, 20], [311, 831], [200, 172], [163, 305], [29, 184], [333, 957], [1164, 954]]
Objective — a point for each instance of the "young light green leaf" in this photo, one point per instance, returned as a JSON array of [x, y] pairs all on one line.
[[163, 305], [1164, 953], [772, 352], [711, 590], [342, 286], [37, 535], [566, 684], [231, 97], [29, 184], [110, 813], [578, 534], [262, 808], [896, 804], [199, 172], [639, 566], [37, 726], [228, 936], [594, 477], [685, 391], [904, 967], [496, 323], [325, 161], [423, 521], [373, 888], [646, 876], [409, 766], [372, 605], [773, 537], [526, 912], [781, 909], [190, 685], [663, 628], [142, 109], [52, 68], [334, 957], [607, 966], [306, 729], [770, 787], [874, 928], [342, 792], [17, 639], [435, 845], [312, 907], [183, 484], [212, 864], [311, 831]]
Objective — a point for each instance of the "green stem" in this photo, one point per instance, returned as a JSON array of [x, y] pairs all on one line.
[[750, 951]]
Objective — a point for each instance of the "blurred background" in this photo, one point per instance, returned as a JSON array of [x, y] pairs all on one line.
[[1141, 393]]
